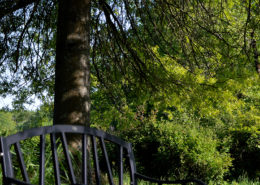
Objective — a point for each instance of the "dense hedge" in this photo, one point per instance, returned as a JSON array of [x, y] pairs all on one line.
[[168, 150]]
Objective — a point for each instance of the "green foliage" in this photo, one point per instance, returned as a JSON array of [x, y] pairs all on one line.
[[245, 149], [30, 119], [242, 180], [167, 149], [17, 120], [7, 123], [31, 153], [176, 78], [27, 42], [199, 127]]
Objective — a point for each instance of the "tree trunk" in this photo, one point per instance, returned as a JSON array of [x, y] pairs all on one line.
[[72, 80]]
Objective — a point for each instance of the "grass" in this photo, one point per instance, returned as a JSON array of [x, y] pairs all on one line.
[[243, 182], [240, 181]]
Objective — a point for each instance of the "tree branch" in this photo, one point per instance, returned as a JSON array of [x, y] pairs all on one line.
[[8, 7], [17, 52], [256, 54]]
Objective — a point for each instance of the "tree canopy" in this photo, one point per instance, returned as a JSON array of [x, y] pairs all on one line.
[[213, 37], [155, 67]]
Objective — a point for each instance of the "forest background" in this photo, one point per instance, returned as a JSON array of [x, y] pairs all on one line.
[[178, 79]]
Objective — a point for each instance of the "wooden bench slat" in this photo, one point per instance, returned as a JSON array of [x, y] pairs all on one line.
[[67, 157], [6, 161], [42, 160], [55, 159], [96, 162], [84, 159], [18, 151], [121, 172], [110, 176]]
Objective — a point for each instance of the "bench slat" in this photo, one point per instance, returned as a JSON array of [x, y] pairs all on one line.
[[68, 159], [84, 159], [18, 151], [55, 159], [121, 172], [110, 176], [42, 160], [6, 161], [96, 162]]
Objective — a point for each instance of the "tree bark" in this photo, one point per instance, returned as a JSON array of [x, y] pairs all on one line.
[[72, 72]]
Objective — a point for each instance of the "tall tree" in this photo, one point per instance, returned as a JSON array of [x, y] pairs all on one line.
[[126, 37], [72, 74]]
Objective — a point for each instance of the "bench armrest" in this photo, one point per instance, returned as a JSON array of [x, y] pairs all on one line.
[[160, 182]]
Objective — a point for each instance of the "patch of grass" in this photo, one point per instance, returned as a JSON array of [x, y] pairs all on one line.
[[243, 180]]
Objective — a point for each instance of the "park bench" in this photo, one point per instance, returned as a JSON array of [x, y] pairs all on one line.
[[95, 146]]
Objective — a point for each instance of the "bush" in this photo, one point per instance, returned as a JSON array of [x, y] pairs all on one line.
[[177, 151], [245, 149], [8, 126]]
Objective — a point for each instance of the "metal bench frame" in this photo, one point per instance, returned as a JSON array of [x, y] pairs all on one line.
[[85, 132]]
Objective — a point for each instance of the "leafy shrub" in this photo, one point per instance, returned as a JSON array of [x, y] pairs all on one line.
[[171, 150], [245, 149], [8, 126]]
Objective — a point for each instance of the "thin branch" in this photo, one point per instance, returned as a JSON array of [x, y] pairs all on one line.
[[7, 8], [256, 53], [124, 40], [17, 52]]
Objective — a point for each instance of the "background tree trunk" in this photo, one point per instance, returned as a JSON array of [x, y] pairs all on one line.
[[72, 83]]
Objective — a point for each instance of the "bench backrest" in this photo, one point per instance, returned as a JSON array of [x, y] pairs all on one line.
[[93, 147]]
